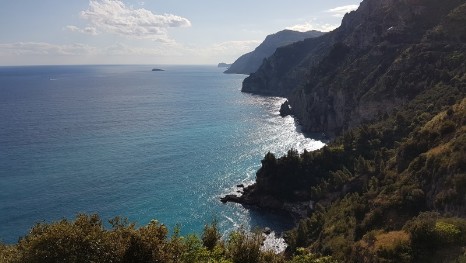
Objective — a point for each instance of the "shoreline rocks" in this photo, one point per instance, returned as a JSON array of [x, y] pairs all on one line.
[[285, 109], [251, 197], [230, 198]]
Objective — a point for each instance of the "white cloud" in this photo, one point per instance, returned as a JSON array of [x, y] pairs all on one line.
[[342, 10], [227, 51], [234, 46], [73, 28], [77, 49], [307, 26], [120, 49], [123, 53], [314, 25], [41, 48], [41, 53], [90, 30], [113, 16], [87, 30]]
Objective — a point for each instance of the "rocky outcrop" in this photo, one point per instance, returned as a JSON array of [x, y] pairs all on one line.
[[285, 109], [399, 66], [254, 197], [250, 62], [359, 71]]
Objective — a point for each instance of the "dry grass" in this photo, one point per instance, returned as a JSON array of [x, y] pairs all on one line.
[[391, 239], [441, 149]]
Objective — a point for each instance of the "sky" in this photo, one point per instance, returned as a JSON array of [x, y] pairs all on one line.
[[58, 32]]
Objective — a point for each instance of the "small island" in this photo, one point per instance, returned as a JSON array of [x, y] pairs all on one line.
[[157, 69], [224, 65]]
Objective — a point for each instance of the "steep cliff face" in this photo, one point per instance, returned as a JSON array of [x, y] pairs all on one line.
[[379, 58], [384, 190], [287, 68], [250, 62]]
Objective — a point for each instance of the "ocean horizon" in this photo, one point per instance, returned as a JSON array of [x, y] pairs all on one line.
[[121, 140]]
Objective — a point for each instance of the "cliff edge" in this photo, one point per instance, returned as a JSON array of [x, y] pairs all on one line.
[[380, 58]]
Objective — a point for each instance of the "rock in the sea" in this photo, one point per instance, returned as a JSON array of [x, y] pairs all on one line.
[[285, 109], [157, 69], [230, 198]]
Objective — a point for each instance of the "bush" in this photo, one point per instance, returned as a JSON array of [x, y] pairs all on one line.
[[394, 246], [447, 127], [243, 247], [210, 235], [303, 256], [8, 254], [83, 240], [446, 233]]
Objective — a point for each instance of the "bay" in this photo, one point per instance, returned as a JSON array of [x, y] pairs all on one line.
[[126, 141]]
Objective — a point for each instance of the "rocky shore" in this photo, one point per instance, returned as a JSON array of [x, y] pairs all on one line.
[[252, 197]]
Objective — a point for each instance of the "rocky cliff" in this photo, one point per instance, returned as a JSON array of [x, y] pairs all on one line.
[[379, 58], [250, 62], [392, 186], [392, 81]]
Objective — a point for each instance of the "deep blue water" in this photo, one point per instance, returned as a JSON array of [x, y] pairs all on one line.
[[125, 141]]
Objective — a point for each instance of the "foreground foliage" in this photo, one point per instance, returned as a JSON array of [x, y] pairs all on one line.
[[85, 239]]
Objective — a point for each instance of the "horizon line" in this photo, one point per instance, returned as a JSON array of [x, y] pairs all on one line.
[[67, 65]]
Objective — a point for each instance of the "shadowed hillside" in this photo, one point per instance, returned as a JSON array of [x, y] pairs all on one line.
[[250, 62]]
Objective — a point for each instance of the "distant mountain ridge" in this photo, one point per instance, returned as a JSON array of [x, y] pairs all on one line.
[[223, 65], [250, 62]]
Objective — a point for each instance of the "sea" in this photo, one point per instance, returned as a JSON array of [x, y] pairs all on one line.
[[122, 140]]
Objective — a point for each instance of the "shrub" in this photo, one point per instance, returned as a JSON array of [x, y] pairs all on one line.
[[243, 247], [8, 254], [83, 240], [303, 256], [447, 127], [394, 246], [210, 235], [446, 233]]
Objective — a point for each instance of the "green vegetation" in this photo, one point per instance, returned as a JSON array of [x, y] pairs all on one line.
[[86, 240], [392, 189], [373, 185], [389, 190]]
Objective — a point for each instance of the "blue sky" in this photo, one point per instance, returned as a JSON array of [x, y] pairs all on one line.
[[43, 32]]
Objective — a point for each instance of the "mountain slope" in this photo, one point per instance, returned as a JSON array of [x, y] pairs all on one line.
[[250, 62], [359, 71], [392, 186]]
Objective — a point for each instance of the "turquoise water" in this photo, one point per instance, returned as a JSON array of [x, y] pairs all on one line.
[[125, 141]]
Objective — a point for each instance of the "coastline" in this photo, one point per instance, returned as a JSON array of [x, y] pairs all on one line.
[[247, 126], [250, 197]]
